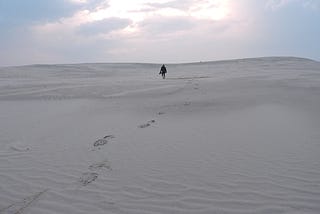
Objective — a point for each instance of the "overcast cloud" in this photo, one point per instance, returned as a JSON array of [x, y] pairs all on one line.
[[103, 26], [72, 31]]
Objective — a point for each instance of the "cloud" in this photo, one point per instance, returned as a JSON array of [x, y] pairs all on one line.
[[56, 43], [103, 26], [160, 25], [182, 5], [109, 31], [202, 9], [15, 13], [61, 31], [186, 4], [94, 4]]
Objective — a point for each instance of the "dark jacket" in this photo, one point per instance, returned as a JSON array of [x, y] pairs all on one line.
[[163, 69]]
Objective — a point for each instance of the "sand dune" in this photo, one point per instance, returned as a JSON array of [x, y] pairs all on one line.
[[237, 136]]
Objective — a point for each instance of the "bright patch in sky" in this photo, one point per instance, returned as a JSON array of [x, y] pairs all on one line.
[[215, 10], [138, 10], [79, 1]]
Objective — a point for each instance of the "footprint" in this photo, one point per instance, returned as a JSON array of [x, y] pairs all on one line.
[[147, 124], [103, 141], [100, 165], [88, 177], [19, 147], [144, 125]]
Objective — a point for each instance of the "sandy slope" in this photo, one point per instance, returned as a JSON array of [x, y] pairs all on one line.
[[238, 136]]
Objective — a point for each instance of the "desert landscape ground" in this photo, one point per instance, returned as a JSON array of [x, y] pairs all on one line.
[[230, 137]]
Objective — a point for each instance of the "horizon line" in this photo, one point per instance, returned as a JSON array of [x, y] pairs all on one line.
[[158, 63]]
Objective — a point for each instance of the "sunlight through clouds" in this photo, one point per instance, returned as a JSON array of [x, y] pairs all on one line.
[[138, 10], [214, 10], [79, 1], [120, 8]]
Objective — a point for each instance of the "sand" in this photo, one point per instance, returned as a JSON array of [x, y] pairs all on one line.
[[238, 136]]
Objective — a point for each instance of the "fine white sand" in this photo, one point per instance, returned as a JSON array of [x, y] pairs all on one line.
[[230, 137]]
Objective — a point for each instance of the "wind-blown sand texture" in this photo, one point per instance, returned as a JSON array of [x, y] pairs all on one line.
[[230, 137]]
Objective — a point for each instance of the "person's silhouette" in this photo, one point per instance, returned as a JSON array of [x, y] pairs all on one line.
[[163, 71]]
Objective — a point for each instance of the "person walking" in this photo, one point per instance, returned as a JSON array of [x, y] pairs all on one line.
[[163, 71]]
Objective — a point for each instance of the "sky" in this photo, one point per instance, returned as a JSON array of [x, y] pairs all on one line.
[[156, 31]]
